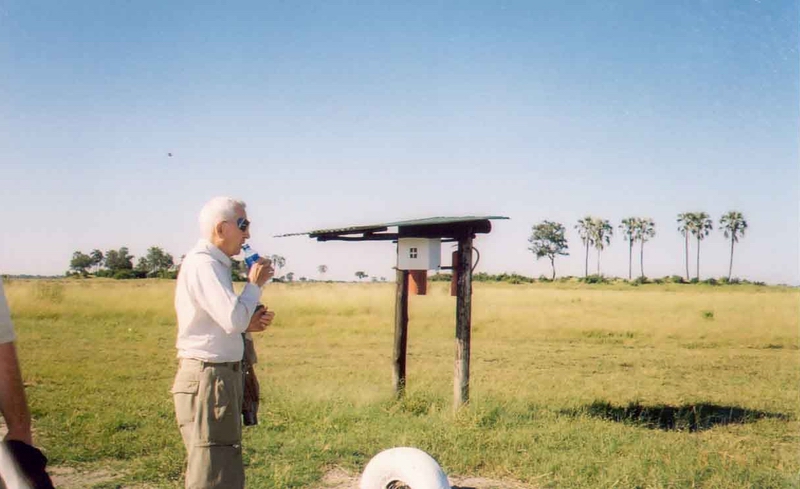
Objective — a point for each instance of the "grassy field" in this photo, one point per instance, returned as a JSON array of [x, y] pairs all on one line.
[[572, 385]]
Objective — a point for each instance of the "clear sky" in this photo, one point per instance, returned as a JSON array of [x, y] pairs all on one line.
[[334, 113]]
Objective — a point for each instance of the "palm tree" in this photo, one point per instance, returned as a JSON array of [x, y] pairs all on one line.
[[733, 226], [629, 226], [684, 225], [602, 236], [278, 261], [700, 227], [97, 259], [645, 229], [585, 229]]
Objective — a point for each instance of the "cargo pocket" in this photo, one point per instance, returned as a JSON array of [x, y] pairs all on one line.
[[184, 392], [221, 399], [223, 410]]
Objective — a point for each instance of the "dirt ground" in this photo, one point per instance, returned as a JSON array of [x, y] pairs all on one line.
[[67, 478], [341, 479]]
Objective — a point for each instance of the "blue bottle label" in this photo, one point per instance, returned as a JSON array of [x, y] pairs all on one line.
[[250, 259]]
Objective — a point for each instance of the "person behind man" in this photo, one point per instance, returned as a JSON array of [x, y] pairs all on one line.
[[21, 464], [211, 319]]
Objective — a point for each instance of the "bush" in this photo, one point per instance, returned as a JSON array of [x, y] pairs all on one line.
[[675, 279], [694, 281], [710, 281], [641, 280], [595, 279], [125, 275]]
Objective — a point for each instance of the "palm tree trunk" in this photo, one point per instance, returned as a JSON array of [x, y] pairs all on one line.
[[730, 267], [630, 258], [641, 258], [598, 261], [698, 258], [687, 256], [586, 268]]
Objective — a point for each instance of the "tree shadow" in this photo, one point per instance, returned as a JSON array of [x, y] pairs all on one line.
[[689, 417]]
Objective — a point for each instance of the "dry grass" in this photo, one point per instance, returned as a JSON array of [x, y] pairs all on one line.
[[568, 382]]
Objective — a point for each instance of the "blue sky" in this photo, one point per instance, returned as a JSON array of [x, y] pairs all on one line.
[[333, 113]]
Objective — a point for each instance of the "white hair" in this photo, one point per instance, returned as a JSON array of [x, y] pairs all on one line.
[[217, 210]]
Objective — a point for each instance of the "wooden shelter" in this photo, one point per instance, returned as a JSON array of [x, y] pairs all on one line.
[[461, 230]]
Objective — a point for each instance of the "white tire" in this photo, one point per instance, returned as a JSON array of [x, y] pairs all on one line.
[[411, 466]]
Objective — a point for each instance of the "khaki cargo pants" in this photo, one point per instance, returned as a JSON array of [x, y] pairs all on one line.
[[208, 406]]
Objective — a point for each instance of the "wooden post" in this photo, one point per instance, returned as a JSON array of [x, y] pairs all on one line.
[[463, 322], [400, 333]]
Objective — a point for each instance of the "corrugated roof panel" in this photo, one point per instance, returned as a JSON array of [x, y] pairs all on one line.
[[428, 221]]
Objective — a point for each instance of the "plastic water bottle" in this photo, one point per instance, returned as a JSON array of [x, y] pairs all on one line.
[[250, 256]]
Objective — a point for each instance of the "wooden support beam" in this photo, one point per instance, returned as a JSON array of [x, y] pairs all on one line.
[[400, 333], [463, 322]]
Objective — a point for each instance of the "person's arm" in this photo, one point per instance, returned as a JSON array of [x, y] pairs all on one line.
[[13, 404], [230, 311]]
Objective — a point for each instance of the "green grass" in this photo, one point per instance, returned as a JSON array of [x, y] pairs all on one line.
[[572, 385]]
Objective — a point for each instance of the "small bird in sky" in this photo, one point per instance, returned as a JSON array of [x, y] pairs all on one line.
[[169, 154]]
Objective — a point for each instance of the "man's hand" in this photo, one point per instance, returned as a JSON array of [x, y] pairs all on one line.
[[260, 320], [260, 272]]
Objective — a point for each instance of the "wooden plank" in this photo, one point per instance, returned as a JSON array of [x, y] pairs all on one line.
[[400, 333], [463, 323]]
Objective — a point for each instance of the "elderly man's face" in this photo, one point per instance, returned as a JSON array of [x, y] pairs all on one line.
[[232, 234]]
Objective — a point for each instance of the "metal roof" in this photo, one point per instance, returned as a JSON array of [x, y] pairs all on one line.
[[371, 229]]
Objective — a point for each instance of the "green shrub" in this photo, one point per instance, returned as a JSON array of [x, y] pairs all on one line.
[[125, 275], [595, 279]]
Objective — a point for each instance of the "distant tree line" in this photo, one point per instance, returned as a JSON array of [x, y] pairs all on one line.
[[548, 238], [119, 264]]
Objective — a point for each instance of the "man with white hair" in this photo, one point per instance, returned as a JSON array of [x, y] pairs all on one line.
[[211, 319]]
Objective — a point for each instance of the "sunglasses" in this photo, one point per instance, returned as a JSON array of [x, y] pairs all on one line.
[[242, 224]]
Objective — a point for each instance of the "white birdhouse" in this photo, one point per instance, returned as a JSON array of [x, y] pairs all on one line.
[[419, 253]]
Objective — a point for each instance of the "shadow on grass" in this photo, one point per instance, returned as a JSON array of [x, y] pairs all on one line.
[[689, 417]]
